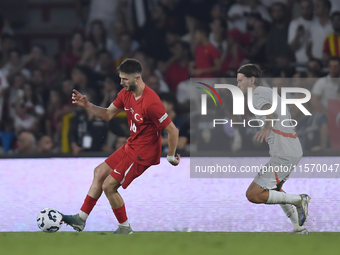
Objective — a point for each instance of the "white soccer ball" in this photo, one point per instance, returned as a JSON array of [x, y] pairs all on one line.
[[49, 220]]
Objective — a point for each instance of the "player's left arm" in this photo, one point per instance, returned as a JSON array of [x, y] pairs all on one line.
[[263, 133], [172, 144]]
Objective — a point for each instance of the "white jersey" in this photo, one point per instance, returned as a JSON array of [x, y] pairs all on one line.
[[283, 141]]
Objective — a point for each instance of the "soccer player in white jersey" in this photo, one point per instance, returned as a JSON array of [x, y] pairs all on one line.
[[284, 149]]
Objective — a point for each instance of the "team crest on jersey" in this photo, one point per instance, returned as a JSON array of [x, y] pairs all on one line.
[[138, 117]]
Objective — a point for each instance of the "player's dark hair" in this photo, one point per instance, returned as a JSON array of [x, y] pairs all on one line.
[[130, 66], [250, 70], [335, 14]]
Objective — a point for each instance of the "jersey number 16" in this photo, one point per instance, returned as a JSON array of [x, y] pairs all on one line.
[[133, 127]]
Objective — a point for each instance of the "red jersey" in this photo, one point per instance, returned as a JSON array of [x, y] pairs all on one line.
[[205, 56], [146, 118]]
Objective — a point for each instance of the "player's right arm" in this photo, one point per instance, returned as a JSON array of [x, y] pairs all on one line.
[[100, 112]]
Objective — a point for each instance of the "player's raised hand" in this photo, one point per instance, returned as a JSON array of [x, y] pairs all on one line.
[[262, 134], [175, 161], [79, 99]]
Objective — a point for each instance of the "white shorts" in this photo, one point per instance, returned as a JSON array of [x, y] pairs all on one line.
[[276, 171]]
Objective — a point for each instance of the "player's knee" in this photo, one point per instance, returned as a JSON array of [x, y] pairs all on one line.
[[96, 172], [109, 187], [99, 173], [106, 187]]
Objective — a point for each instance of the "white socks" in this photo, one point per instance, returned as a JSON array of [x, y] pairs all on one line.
[[277, 197], [83, 215], [125, 224], [291, 212]]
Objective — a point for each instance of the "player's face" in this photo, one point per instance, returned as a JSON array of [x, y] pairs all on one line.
[[243, 82], [128, 81]]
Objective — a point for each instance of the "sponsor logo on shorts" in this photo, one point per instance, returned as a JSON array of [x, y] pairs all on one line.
[[116, 171]]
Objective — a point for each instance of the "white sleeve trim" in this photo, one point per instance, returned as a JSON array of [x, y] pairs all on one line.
[[163, 118]]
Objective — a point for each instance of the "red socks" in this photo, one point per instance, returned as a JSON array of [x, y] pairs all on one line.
[[88, 204], [120, 213]]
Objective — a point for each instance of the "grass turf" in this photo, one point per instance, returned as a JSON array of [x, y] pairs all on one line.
[[173, 243]]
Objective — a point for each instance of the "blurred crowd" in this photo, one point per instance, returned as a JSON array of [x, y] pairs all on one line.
[[174, 40]]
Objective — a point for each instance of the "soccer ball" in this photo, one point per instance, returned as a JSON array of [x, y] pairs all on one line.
[[49, 220]]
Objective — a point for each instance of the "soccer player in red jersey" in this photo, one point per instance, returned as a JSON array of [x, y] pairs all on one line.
[[146, 117]]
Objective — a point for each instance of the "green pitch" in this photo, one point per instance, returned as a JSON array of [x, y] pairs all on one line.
[[162, 243]]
